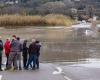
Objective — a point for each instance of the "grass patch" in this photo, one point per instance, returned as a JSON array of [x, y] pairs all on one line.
[[37, 20]]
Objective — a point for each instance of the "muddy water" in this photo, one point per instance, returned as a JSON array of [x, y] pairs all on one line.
[[58, 44]]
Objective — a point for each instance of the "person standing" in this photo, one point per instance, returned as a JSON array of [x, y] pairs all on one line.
[[1, 49], [32, 54], [38, 46], [14, 49], [25, 53], [19, 53], [7, 49], [34, 50]]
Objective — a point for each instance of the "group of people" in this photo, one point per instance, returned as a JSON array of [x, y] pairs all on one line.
[[14, 50]]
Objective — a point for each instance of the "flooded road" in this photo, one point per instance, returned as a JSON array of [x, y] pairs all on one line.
[[59, 44]]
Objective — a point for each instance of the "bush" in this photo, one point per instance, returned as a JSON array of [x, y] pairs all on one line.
[[58, 20], [37, 20]]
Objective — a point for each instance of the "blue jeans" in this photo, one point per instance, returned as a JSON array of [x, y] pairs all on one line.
[[31, 59]]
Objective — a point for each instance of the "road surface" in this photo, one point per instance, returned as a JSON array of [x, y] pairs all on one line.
[[57, 71]]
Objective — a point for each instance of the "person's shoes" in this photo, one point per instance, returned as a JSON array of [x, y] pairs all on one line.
[[26, 68], [15, 69], [37, 68], [1, 70], [7, 69], [20, 68], [33, 68]]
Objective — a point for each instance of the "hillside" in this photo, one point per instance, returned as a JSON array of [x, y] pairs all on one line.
[[35, 6], [42, 7]]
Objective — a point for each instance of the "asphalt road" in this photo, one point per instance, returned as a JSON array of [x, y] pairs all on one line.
[[57, 71]]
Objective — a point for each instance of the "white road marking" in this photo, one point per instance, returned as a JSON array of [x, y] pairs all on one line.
[[67, 78], [59, 71], [0, 77]]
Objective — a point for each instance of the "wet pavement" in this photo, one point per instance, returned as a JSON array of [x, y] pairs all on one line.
[[57, 71], [44, 73]]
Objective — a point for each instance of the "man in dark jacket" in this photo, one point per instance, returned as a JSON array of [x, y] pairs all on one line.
[[32, 54], [25, 53], [34, 51], [38, 44], [1, 49]]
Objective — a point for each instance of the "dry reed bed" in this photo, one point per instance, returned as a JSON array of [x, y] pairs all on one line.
[[36, 20]]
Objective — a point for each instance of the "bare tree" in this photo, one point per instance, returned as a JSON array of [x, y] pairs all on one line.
[[69, 3]]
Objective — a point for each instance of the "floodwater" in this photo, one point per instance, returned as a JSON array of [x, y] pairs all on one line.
[[59, 44]]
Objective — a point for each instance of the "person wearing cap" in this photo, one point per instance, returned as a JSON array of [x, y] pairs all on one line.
[[1, 49], [7, 49]]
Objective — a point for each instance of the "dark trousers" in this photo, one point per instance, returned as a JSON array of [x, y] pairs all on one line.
[[37, 62], [7, 56], [24, 60], [0, 59], [31, 59]]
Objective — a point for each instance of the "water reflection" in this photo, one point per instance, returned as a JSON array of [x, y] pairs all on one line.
[[90, 63], [59, 44]]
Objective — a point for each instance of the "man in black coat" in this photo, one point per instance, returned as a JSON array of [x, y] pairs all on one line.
[[1, 49], [38, 44], [25, 53], [34, 51]]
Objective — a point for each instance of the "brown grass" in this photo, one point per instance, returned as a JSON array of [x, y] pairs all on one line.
[[58, 20], [37, 20]]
